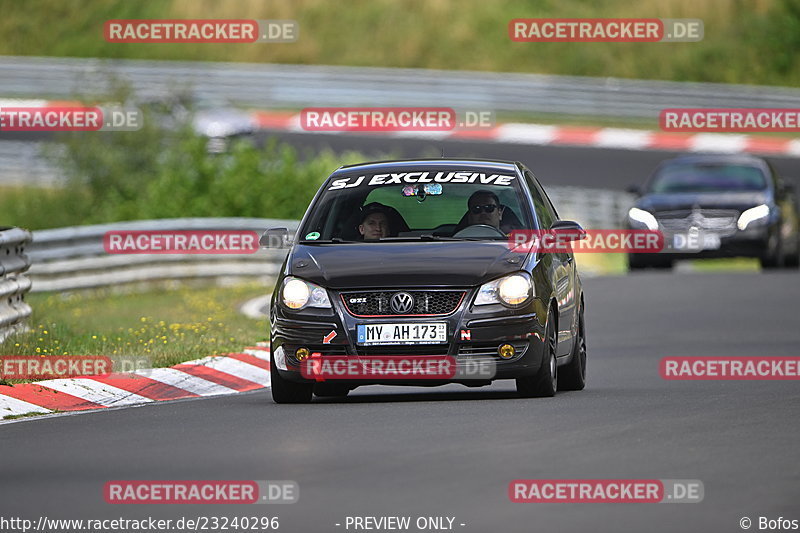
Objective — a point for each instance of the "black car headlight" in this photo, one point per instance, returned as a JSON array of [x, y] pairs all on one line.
[[512, 291], [298, 294]]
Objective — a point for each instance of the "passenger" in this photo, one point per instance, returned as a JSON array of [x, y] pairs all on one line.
[[374, 222]]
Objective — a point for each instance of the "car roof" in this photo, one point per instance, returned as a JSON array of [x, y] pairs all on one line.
[[744, 159], [378, 166]]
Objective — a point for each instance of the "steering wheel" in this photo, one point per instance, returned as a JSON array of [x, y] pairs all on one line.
[[479, 230]]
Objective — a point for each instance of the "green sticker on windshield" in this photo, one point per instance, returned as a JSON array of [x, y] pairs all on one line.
[[313, 236]]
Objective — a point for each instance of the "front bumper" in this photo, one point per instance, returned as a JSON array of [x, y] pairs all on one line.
[[752, 242], [473, 335]]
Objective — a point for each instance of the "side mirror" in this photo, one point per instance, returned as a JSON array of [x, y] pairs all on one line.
[[274, 238], [570, 229], [634, 189]]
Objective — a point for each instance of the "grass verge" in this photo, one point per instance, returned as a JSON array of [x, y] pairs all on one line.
[[26, 415], [739, 264], [745, 41], [164, 326], [616, 264]]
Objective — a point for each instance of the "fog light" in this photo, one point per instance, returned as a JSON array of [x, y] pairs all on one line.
[[506, 351], [302, 354]]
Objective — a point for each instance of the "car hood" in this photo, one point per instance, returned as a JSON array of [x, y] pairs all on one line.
[[708, 200], [351, 266]]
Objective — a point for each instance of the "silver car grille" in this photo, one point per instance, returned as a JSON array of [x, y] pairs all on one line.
[[720, 221]]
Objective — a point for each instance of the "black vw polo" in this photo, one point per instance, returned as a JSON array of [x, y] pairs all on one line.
[[413, 258]]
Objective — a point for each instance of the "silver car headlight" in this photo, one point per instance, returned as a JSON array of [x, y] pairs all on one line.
[[643, 217], [758, 213], [297, 294], [512, 291]]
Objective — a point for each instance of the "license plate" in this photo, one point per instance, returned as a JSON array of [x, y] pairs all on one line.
[[427, 333], [711, 241]]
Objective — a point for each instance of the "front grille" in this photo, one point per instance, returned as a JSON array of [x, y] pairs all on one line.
[[721, 221], [426, 303], [422, 349]]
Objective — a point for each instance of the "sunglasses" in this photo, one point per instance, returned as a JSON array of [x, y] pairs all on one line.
[[489, 208]]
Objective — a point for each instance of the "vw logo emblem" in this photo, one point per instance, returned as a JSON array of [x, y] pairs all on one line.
[[696, 217], [401, 303]]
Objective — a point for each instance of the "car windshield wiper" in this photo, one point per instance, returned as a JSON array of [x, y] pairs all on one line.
[[333, 240], [431, 237], [422, 237]]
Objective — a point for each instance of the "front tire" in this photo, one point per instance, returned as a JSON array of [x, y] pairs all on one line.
[[643, 261], [544, 383], [774, 258], [573, 375], [634, 263], [793, 260], [285, 391]]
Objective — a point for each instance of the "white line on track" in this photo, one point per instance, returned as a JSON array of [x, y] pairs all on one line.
[[240, 370], [261, 354], [94, 391], [715, 142], [187, 382], [13, 406]]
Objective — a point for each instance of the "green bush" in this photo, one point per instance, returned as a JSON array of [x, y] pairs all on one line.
[[155, 173], [248, 181], [38, 208]]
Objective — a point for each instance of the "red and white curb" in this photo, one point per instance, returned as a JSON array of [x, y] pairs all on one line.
[[545, 134], [209, 376], [540, 134]]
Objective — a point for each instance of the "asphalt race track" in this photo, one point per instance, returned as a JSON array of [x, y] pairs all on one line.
[[581, 166], [453, 451]]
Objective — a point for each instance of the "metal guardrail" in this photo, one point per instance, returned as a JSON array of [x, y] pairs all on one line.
[[13, 283], [296, 86], [591, 208], [74, 257]]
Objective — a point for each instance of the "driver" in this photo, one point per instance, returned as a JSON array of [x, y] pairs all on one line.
[[374, 222], [484, 208]]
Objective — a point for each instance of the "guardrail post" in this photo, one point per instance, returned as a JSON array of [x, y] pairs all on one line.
[[13, 283]]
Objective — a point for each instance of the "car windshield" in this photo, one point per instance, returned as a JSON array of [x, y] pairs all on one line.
[[436, 204], [708, 177]]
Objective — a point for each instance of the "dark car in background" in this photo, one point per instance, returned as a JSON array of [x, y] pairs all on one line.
[[734, 205], [425, 244]]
